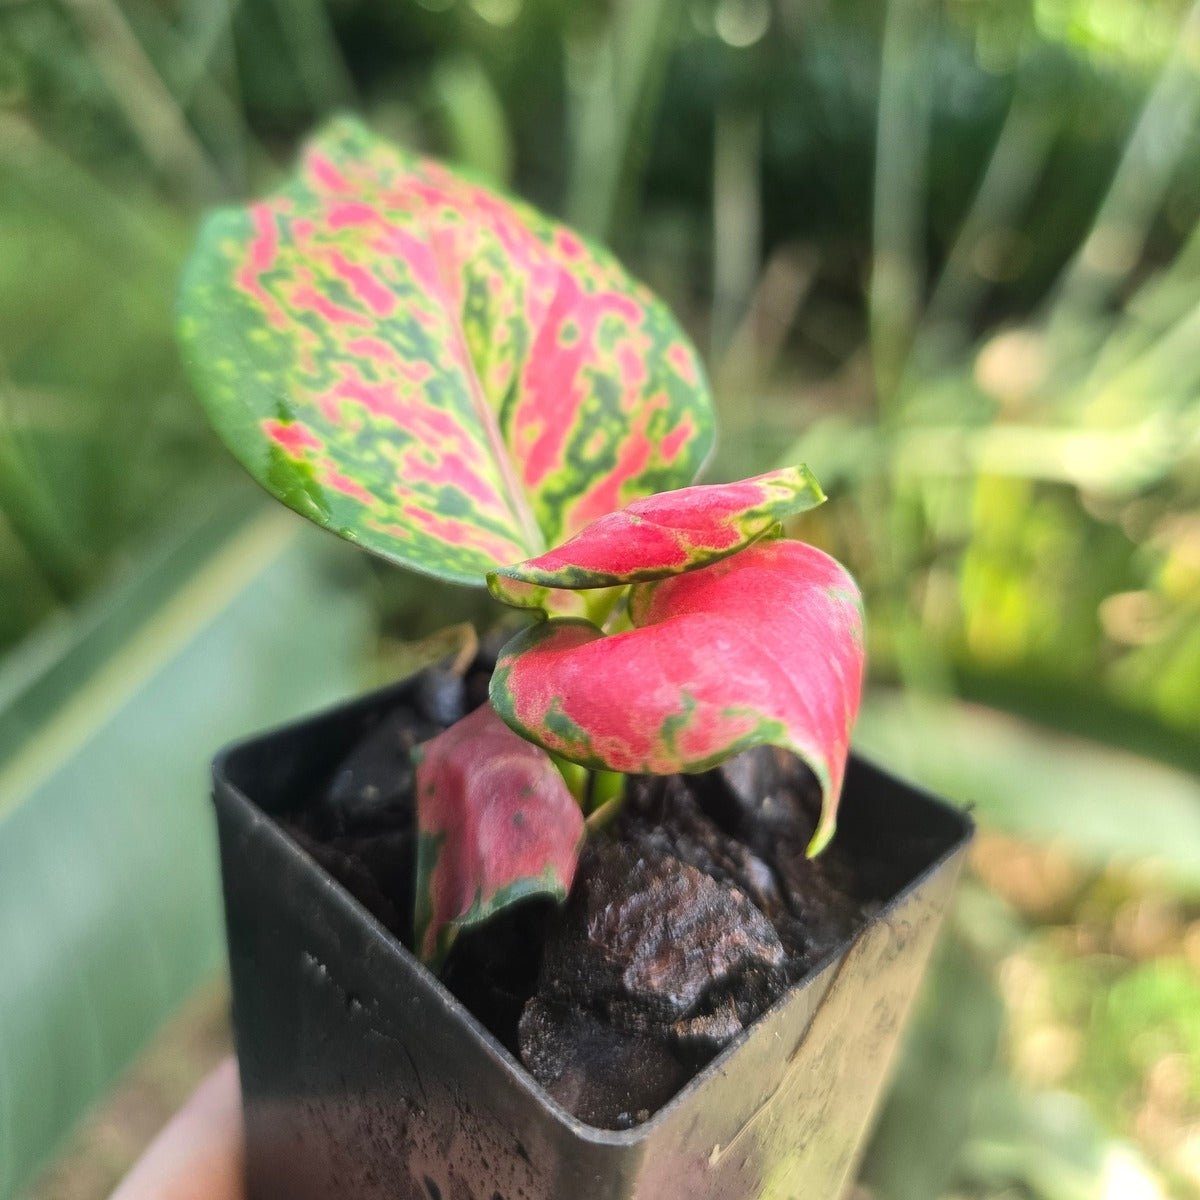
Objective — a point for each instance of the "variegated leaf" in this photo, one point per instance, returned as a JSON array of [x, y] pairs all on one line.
[[432, 370], [661, 536], [496, 824], [765, 646]]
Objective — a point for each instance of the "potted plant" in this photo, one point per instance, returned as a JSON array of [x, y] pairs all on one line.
[[562, 918]]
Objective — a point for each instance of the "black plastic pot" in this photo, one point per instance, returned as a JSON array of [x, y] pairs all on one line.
[[364, 1079]]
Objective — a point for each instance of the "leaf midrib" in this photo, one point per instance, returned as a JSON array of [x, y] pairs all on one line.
[[515, 497]]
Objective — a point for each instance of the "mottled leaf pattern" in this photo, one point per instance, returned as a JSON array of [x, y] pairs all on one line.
[[434, 371], [765, 646], [496, 824], [660, 536]]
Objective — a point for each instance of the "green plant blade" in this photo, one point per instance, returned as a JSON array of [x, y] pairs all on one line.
[[1107, 807], [109, 896]]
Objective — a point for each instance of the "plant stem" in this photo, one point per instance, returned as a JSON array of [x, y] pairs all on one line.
[[576, 777], [607, 797], [602, 817]]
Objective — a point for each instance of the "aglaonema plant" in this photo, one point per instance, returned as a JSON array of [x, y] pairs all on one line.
[[469, 390]]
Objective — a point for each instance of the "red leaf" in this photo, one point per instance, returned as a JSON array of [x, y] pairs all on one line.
[[433, 370], [496, 825], [660, 536], [763, 647]]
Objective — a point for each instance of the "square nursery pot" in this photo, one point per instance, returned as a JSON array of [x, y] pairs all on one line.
[[363, 1078]]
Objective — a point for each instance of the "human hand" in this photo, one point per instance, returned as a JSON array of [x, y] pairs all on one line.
[[200, 1154]]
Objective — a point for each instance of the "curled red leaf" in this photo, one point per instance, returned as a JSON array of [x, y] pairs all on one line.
[[763, 647], [496, 825]]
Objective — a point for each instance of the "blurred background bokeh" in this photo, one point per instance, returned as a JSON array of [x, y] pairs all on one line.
[[945, 251]]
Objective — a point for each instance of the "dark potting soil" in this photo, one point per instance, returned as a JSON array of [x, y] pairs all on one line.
[[688, 918]]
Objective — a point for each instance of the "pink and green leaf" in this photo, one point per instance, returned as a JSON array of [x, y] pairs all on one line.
[[765, 646], [496, 824], [434, 371], [660, 536]]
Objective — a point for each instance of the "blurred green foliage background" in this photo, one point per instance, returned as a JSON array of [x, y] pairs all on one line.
[[945, 251]]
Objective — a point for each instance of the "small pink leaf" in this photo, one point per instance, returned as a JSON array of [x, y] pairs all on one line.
[[765, 646], [660, 536], [496, 824], [433, 370]]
